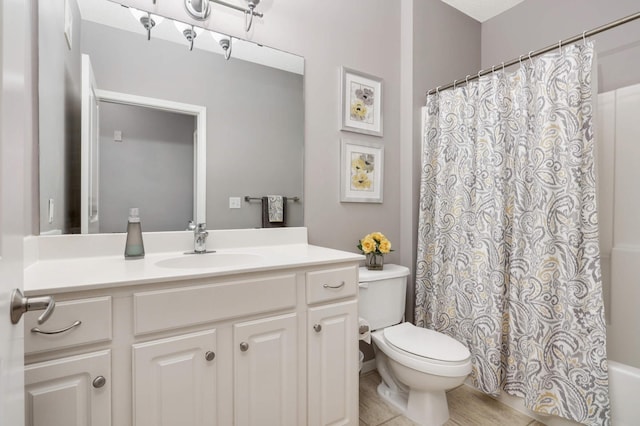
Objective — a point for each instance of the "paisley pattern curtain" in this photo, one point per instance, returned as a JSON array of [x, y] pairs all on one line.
[[508, 257]]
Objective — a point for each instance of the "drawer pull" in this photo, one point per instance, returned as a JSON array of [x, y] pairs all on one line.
[[334, 286], [317, 328], [210, 356], [62, 330], [99, 382], [244, 346]]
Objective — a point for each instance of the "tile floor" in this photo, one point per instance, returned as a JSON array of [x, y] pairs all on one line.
[[467, 407]]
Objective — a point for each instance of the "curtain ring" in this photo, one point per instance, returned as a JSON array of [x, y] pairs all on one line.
[[438, 90], [466, 80], [479, 74], [560, 45], [520, 59], [493, 68], [454, 84], [503, 67], [584, 39], [531, 60]]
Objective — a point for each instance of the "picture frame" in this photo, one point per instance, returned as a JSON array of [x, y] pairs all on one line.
[[361, 96], [361, 171]]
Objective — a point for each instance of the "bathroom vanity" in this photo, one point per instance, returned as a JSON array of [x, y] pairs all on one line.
[[265, 336]]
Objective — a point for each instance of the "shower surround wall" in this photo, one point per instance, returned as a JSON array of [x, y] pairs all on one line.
[[530, 26], [619, 201]]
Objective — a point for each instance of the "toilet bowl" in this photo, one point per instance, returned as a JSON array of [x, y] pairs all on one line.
[[417, 365]]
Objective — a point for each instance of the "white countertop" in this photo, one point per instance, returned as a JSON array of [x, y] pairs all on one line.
[[59, 274]]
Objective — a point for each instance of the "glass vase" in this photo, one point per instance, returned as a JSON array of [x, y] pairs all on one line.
[[374, 262]]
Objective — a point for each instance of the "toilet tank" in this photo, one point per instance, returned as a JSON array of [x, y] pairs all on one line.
[[382, 295]]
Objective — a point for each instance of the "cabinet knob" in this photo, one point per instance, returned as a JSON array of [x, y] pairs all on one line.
[[244, 346], [209, 356], [317, 328], [99, 382]]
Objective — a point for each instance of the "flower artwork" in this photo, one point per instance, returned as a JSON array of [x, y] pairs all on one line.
[[362, 103], [361, 179], [362, 166]]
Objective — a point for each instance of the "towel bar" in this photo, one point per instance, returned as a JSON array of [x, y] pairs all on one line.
[[249, 199]]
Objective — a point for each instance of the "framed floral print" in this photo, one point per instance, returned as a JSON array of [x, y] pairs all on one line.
[[361, 172], [361, 102]]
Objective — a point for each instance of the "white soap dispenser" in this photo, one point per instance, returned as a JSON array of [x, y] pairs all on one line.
[[134, 249]]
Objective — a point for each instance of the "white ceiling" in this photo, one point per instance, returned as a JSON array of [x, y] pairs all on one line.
[[481, 10]]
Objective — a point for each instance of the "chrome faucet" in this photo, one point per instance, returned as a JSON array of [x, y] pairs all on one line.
[[200, 238]]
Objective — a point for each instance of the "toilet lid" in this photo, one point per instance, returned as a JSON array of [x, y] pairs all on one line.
[[426, 343]]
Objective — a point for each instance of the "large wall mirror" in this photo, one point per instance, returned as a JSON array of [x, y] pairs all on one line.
[[126, 121]]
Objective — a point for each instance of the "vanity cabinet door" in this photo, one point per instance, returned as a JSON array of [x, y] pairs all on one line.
[[265, 376], [174, 381], [333, 364], [73, 391]]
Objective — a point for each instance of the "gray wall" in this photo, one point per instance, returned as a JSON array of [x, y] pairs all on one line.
[[152, 168], [59, 115], [534, 24], [255, 115]]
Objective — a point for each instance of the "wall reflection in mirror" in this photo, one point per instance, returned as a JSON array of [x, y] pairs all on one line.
[[179, 133]]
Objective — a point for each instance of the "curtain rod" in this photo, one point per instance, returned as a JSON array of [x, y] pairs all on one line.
[[539, 52]]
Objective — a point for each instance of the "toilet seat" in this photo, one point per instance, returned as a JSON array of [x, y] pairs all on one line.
[[423, 364], [426, 343]]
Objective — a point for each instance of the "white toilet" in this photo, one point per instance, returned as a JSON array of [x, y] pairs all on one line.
[[417, 365]]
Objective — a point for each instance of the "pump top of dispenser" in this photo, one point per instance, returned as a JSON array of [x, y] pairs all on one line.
[[134, 215]]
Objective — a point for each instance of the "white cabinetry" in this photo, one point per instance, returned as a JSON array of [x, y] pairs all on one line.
[[266, 367], [71, 391], [174, 380], [332, 370], [235, 349], [332, 336]]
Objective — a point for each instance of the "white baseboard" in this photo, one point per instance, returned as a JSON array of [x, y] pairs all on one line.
[[368, 366]]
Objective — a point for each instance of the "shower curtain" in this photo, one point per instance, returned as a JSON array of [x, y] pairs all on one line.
[[508, 256]]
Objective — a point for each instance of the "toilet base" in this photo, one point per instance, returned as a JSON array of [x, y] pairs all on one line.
[[424, 408]]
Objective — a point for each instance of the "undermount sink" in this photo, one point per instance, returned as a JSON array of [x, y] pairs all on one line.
[[209, 260]]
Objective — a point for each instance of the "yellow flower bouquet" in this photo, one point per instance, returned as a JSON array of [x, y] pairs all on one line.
[[375, 246]]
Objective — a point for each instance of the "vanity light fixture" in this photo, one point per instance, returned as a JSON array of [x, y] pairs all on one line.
[[200, 10], [224, 42], [147, 20], [189, 31]]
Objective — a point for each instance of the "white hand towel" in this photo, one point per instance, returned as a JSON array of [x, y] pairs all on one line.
[[276, 209], [364, 330]]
